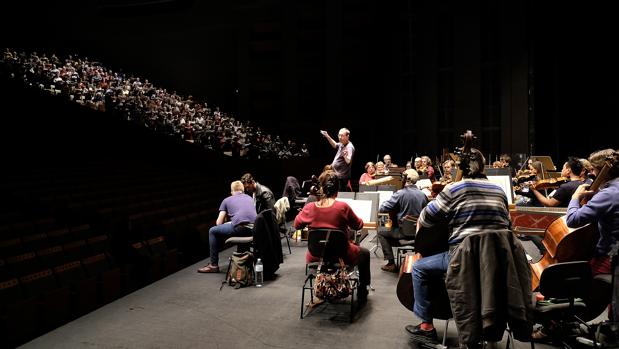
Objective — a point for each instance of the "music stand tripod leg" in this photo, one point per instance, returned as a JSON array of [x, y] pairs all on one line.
[[374, 248]]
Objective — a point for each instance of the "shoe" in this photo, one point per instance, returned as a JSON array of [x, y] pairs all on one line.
[[362, 297], [420, 335], [540, 336], [209, 269], [390, 267]]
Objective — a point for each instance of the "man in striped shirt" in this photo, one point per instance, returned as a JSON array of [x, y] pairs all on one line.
[[470, 206]]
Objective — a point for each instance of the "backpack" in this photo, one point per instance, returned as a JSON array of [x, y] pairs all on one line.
[[241, 272]]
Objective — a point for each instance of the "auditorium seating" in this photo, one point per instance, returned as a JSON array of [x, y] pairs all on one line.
[[88, 218]]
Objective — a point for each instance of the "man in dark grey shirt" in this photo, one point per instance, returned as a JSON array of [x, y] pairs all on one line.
[[342, 162]]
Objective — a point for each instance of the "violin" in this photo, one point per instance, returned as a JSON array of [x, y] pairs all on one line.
[[550, 183], [438, 186], [523, 176]]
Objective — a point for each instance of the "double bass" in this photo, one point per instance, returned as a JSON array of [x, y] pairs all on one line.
[[429, 242]]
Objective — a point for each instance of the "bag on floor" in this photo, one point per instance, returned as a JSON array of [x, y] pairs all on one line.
[[241, 272]]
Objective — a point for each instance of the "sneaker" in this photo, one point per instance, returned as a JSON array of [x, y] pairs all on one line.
[[390, 267], [540, 336], [420, 335], [209, 269]]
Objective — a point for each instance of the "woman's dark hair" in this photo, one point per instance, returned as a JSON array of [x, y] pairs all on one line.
[[575, 165], [474, 168], [329, 184]]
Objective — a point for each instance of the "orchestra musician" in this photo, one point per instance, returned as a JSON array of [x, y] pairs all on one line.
[[370, 171], [328, 213], [561, 197], [437, 186], [387, 160], [408, 201], [601, 209], [587, 174], [448, 166], [417, 165], [427, 169], [530, 176], [505, 160], [381, 169], [471, 206]]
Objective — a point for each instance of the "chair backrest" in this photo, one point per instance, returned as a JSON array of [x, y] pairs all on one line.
[[566, 280], [330, 250], [408, 226]]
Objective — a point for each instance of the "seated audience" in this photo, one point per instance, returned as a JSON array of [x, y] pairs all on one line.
[[91, 84]]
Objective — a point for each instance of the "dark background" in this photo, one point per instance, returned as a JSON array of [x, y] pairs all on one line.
[[406, 77]]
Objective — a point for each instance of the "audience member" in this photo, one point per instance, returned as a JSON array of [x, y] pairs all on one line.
[[90, 84]]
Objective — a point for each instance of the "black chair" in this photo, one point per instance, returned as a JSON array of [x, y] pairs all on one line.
[[332, 245], [408, 228], [563, 286]]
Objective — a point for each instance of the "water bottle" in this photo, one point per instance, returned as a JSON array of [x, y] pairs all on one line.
[[259, 273]]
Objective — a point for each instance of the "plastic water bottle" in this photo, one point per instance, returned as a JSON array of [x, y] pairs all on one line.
[[259, 273]]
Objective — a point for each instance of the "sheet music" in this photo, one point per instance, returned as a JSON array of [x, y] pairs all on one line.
[[505, 182], [383, 196], [424, 183], [362, 208]]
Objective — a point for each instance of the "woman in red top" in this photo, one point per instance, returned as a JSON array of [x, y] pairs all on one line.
[[327, 213], [370, 171]]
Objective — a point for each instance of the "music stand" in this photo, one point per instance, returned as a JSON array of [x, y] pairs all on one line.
[[396, 170], [547, 164], [502, 177]]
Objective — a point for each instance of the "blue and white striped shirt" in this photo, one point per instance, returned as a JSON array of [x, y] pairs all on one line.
[[468, 207]]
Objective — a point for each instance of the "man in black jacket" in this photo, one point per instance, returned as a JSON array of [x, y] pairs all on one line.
[[263, 196]]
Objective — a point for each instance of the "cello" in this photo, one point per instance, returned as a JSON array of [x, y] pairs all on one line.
[[564, 244], [429, 242]]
